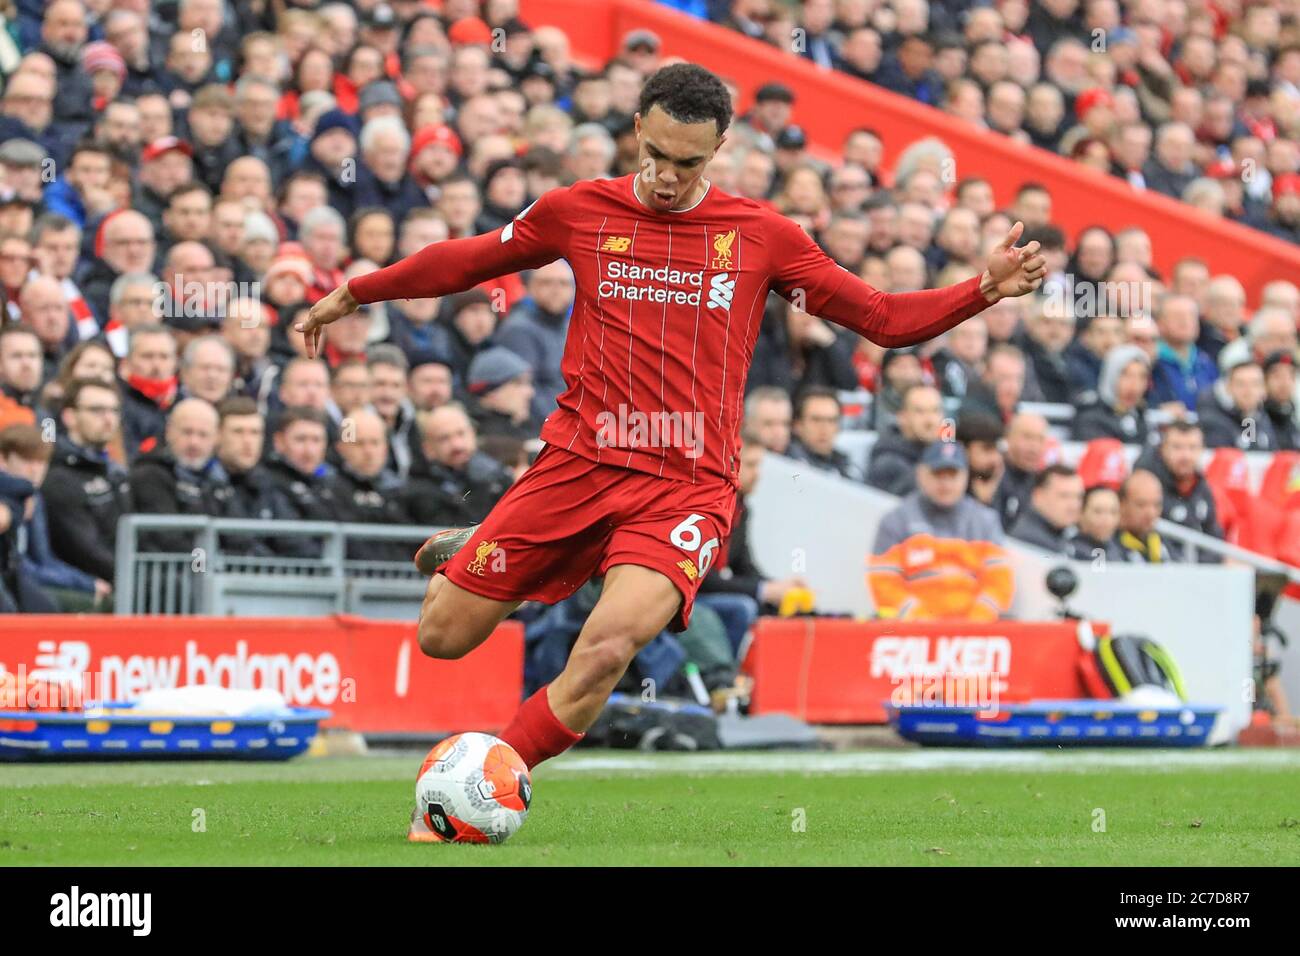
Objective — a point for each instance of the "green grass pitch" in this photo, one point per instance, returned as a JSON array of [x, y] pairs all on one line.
[[904, 807]]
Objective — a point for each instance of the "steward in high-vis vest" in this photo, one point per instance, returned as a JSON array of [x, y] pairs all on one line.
[[939, 555]]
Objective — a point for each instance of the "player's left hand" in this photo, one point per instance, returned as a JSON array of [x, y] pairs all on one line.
[[1011, 271]]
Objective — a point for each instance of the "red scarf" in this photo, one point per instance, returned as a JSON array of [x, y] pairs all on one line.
[[160, 391]]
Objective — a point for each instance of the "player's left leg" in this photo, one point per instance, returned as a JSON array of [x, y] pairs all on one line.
[[636, 603]]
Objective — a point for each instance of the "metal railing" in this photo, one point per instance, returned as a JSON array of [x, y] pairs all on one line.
[[1196, 541], [211, 581]]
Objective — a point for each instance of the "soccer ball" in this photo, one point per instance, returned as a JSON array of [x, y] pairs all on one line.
[[473, 788]]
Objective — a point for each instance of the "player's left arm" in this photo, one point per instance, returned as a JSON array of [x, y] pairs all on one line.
[[899, 319]]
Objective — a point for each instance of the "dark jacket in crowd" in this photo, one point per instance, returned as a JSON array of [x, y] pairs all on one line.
[[302, 498], [1032, 528], [398, 198], [538, 337], [1012, 494], [1085, 548], [1226, 426], [162, 485], [490, 422], [85, 494], [251, 494], [740, 575], [893, 463], [437, 495], [836, 462], [1083, 368], [142, 419], [376, 501], [95, 280], [1050, 371], [773, 364], [1281, 416], [1190, 505], [1099, 420]]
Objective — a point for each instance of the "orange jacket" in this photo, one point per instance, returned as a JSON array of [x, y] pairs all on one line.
[[925, 578]]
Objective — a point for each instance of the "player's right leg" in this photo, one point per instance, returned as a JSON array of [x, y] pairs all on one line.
[[454, 621]]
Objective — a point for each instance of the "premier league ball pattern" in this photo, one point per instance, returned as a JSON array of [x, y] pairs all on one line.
[[473, 788]]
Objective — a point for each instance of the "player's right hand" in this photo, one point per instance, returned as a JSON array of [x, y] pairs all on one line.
[[333, 307]]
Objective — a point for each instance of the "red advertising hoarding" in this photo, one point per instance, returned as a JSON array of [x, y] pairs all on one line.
[[843, 672], [371, 674]]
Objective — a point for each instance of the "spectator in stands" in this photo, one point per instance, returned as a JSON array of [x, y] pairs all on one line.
[[1171, 169], [207, 369], [455, 484], [1054, 507], [501, 385], [1231, 412], [1187, 497], [365, 491], [1224, 318], [85, 491], [389, 399], [1098, 523], [431, 381], [536, 329], [1279, 401], [1272, 329], [1049, 328], [1119, 408], [980, 436], [349, 389], [895, 455], [148, 387], [1026, 442], [900, 369], [24, 454], [21, 372], [768, 416], [939, 554], [796, 351], [1000, 388], [182, 476], [471, 322], [960, 361], [45, 311], [735, 588], [817, 415], [301, 476], [1181, 370], [1083, 356], [241, 436], [909, 70], [1140, 502]]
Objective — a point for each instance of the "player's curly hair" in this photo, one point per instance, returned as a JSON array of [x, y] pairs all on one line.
[[689, 94]]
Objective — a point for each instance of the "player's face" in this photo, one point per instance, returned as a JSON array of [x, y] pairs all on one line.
[[672, 157]]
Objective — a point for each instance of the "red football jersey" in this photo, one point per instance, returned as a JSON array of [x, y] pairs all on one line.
[[666, 312]]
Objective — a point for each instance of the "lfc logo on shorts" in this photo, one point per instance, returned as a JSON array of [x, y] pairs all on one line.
[[688, 569], [481, 554], [722, 254]]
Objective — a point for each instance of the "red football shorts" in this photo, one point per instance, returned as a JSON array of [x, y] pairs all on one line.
[[569, 519]]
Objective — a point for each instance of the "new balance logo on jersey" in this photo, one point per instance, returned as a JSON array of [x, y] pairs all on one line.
[[616, 244], [721, 290]]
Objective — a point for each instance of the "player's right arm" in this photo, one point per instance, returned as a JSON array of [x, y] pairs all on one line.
[[533, 238]]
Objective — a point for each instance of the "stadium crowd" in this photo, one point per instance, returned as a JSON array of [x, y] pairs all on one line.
[[179, 182], [1196, 99]]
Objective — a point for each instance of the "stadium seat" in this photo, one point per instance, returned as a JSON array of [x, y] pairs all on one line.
[[1103, 463], [1227, 473], [1281, 482], [1261, 527]]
